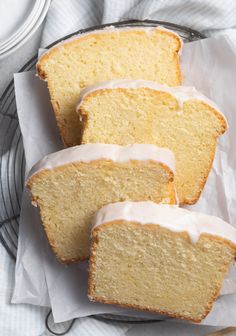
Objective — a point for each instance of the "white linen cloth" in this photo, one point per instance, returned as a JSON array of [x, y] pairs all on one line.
[[67, 16]]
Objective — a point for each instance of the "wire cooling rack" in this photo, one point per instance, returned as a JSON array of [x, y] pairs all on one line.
[[12, 162]]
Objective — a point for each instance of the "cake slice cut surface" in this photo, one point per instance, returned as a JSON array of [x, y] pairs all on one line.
[[159, 258], [69, 186], [181, 119], [149, 53]]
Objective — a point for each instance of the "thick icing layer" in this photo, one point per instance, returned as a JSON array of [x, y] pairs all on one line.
[[116, 153], [181, 93], [169, 216], [116, 30]]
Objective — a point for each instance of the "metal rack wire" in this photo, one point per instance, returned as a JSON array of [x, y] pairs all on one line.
[[12, 162]]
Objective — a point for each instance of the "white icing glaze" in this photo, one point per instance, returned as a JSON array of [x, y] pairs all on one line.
[[181, 93], [169, 216], [116, 153], [116, 30]]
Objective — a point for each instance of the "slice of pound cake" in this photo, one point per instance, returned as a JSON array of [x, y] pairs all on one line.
[[159, 258], [180, 118], [149, 53], [71, 185]]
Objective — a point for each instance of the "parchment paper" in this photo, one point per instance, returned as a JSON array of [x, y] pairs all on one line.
[[210, 66]]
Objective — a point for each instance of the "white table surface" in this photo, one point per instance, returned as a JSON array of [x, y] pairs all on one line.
[[13, 325]]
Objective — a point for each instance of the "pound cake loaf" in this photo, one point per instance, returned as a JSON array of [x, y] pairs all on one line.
[[181, 119], [159, 258], [149, 53], [69, 186]]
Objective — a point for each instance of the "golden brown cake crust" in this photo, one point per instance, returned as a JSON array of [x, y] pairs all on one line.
[[81, 38], [67, 140], [62, 169], [212, 156], [189, 201], [93, 297]]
